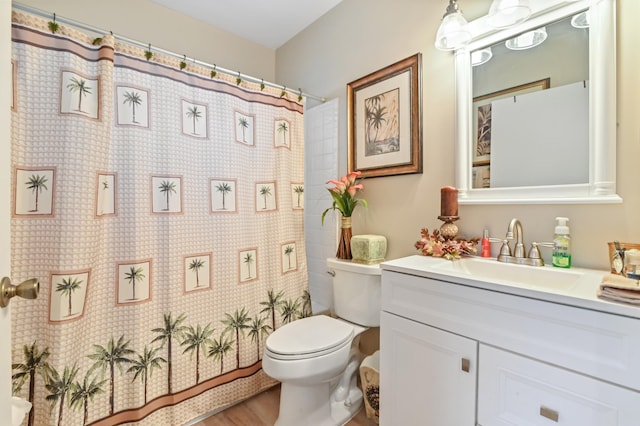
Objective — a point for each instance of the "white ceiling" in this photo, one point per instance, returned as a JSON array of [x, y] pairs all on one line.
[[270, 23]]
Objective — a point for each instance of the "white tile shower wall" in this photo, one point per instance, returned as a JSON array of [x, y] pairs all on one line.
[[321, 165]]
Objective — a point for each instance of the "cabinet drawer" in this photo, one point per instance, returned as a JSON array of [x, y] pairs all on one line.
[[597, 344], [520, 391]]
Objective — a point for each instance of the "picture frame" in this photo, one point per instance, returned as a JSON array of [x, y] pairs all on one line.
[[197, 272], [134, 282], [106, 194], [384, 120], [132, 106], [34, 191], [79, 94], [481, 176], [288, 257], [245, 129], [247, 265], [68, 295], [482, 117], [223, 195], [166, 194], [266, 197], [194, 119]]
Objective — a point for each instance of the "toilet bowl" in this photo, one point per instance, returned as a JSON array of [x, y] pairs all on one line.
[[316, 358]]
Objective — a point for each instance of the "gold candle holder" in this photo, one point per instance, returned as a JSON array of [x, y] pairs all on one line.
[[449, 229]]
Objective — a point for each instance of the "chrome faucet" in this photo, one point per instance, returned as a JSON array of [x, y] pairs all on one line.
[[518, 255], [518, 250]]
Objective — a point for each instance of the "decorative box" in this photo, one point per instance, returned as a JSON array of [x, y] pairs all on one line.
[[368, 249]]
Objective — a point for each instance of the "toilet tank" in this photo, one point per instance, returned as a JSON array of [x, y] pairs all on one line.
[[356, 291]]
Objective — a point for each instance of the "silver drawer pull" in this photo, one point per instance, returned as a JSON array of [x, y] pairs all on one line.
[[549, 413], [332, 273], [464, 364]]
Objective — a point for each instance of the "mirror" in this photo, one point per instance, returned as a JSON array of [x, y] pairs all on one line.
[[511, 145]]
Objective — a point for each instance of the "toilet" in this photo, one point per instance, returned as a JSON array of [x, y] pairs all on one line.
[[317, 358]]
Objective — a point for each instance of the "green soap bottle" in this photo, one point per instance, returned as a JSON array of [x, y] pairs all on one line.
[[562, 244]]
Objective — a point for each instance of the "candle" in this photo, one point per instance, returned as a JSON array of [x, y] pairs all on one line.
[[448, 201]]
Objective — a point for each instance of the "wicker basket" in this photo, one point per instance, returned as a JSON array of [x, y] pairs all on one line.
[[623, 246], [370, 379]]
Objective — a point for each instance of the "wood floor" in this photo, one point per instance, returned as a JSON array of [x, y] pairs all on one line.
[[262, 410]]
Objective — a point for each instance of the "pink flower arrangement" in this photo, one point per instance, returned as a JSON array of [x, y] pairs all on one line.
[[437, 246], [344, 194]]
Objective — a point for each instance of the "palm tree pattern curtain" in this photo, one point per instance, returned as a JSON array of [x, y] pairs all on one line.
[[161, 207]]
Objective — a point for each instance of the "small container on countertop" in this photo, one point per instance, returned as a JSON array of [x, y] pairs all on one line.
[[632, 264], [368, 249]]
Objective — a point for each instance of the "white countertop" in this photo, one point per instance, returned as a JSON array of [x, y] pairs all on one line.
[[580, 294]]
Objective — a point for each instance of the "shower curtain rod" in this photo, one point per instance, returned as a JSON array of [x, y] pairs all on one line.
[[213, 67]]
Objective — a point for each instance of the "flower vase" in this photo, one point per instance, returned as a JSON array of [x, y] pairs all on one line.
[[344, 245]]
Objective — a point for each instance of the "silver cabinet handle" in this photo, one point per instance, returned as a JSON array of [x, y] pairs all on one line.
[[332, 273], [28, 289], [465, 364], [550, 414]]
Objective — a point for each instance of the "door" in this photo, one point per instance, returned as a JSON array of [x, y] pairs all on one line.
[[427, 376], [5, 191]]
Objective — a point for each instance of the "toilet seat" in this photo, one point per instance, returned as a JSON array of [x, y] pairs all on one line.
[[308, 338]]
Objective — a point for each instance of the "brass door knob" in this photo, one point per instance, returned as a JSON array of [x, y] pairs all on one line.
[[28, 289]]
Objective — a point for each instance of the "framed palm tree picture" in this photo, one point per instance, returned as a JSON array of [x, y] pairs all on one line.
[[166, 194], [194, 119], [384, 120], [288, 257], [281, 133], [223, 195], [132, 106], [297, 195], [133, 282], [244, 128], [106, 194], [197, 272], [266, 197], [79, 94], [67, 295], [248, 264], [34, 191]]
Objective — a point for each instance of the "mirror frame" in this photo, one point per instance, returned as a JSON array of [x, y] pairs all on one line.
[[601, 187]]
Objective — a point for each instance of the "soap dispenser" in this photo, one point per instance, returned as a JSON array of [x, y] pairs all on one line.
[[562, 244]]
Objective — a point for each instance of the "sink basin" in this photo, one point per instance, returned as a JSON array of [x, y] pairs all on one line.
[[490, 270]]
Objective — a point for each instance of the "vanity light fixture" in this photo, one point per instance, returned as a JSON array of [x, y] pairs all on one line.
[[581, 20], [507, 13], [527, 40], [482, 56], [453, 32]]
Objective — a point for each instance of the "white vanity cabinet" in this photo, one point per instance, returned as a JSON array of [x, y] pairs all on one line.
[[429, 374], [457, 354]]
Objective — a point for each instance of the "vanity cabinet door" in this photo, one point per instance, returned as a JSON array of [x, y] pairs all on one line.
[[427, 376], [515, 390]]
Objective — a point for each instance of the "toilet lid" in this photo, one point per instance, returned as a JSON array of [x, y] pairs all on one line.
[[309, 336]]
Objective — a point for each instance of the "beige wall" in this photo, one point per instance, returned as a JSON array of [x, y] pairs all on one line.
[[148, 22], [361, 36]]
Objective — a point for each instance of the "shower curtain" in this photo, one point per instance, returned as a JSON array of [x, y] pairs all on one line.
[[161, 207]]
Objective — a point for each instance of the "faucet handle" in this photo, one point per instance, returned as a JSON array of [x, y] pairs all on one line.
[[534, 252], [505, 250]]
